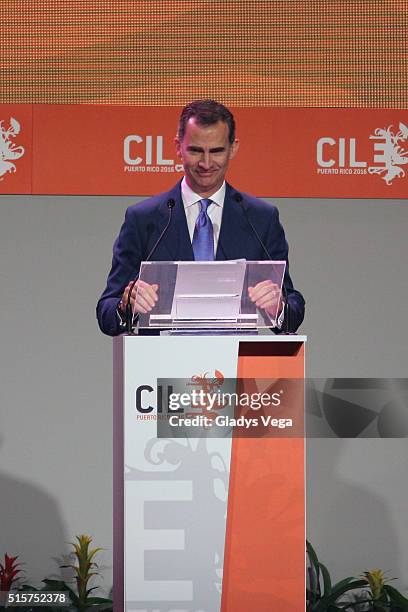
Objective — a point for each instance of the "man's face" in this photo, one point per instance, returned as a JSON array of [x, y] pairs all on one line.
[[205, 152]]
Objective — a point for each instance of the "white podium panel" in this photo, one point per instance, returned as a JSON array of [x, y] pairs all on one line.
[[173, 516]]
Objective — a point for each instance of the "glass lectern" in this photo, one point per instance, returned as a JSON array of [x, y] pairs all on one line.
[[211, 295]]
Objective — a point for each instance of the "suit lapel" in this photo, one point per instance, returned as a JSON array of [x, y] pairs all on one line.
[[176, 241], [234, 229]]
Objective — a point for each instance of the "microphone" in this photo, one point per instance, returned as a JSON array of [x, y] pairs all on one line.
[[241, 202], [129, 314]]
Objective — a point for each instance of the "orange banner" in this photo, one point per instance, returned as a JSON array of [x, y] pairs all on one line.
[[117, 150]]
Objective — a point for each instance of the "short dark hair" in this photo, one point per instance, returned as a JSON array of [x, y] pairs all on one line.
[[206, 112]]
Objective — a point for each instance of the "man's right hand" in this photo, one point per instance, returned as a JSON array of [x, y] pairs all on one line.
[[143, 298]]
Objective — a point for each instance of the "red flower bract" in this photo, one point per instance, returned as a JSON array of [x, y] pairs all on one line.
[[8, 572]]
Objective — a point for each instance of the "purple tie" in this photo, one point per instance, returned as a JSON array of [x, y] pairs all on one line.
[[203, 238]]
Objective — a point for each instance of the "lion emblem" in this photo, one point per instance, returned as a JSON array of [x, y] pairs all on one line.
[[394, 155], [8, 149]]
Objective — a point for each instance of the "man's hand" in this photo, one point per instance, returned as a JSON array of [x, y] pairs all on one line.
[[266, 295], [143, 298]]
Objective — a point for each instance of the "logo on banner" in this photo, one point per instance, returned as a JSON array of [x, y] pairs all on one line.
[[145, 154], [9, 151], [339, 156]]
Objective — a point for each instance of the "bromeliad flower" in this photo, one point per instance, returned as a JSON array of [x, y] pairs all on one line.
[[376, 580], [8, 572], [83, 568]]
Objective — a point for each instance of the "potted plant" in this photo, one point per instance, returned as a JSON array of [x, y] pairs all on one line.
[[9, 571], [370, 593]]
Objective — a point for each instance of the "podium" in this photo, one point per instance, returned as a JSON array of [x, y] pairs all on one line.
[[210, 523]]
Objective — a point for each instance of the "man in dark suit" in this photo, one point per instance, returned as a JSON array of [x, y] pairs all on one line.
[[210, 220]]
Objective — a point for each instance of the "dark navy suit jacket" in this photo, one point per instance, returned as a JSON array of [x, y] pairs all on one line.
[[145, 221]]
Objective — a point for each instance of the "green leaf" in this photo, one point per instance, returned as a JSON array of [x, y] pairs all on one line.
[[59, 585], [396, 597], [326, 579], [349, 586], [338, 592], [92, 601], [312, 556], [93, 552], [28, 587], [313, 574], [343, 582], [90, 591]]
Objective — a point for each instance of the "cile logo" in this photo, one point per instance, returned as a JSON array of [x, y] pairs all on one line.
[[201, 397], [340, 157], [8, 149], [134, 146]]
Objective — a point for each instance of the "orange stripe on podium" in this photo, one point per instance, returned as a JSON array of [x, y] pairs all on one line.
[[264, 559]]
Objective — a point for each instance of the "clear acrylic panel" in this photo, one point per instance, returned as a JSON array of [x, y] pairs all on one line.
[[212, 294]]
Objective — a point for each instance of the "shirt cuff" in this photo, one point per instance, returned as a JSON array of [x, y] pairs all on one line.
[[121, 318], [281, 318]]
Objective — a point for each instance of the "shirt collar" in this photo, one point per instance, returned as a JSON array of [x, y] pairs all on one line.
[[189, 197]]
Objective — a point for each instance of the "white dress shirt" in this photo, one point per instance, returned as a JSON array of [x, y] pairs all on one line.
[[192, 209]]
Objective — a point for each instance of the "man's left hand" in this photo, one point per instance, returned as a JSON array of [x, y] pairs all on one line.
[[266, 295]]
